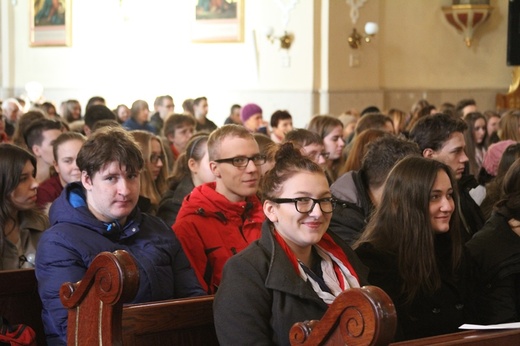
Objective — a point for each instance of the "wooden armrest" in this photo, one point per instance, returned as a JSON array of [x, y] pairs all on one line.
[[358, 316], [95, 303]]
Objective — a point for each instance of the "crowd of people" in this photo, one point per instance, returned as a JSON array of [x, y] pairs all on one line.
[[275, 221]]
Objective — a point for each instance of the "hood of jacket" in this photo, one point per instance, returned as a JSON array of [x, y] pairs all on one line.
[[71, 207], [205, 201], [349, 188]]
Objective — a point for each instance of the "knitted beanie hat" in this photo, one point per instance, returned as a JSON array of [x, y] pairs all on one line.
[[494, 155], [248, 111]]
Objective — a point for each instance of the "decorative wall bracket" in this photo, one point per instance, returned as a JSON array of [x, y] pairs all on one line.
[[467, 18]]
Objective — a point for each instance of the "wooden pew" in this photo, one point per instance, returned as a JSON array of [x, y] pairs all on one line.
[[19, 300], [358, 316], [470, 337], [375, 324], [97, 315], [364, 316]]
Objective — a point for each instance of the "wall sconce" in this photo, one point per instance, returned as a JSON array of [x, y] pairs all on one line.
[[466, 18], [355, 39], [286, 39]]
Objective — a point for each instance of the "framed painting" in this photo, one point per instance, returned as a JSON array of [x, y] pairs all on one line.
[[218, 21], [50, 23]]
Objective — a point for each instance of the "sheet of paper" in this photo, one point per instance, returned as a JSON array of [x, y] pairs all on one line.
[[513, 325]]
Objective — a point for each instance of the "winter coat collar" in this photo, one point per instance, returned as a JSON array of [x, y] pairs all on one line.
[[71, 207]]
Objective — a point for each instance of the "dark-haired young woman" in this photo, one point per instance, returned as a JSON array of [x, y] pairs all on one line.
[[413, 248], [21, 224]]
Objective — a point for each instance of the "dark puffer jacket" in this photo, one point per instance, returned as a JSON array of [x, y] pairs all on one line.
[[75, 237]]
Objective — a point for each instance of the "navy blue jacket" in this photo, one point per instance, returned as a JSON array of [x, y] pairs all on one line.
[[131, 124], [75, 237]]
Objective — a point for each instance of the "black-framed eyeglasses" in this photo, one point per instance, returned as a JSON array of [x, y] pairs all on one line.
[[243, 161], [154, 158], [305, 205]]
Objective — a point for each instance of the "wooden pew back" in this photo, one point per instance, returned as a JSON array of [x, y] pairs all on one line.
[[97, 316], [364, 316], [19, 300], [172, 322], [358, 316]]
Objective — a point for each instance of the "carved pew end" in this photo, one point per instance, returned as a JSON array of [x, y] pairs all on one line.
[[358, 316]]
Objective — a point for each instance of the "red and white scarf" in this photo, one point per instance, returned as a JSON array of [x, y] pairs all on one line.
[[338, 273]]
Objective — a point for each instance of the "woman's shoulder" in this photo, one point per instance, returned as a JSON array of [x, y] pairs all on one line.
[[34, 220], [375, 258]]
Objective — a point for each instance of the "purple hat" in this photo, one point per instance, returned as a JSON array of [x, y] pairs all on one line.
[[248, 111], [493, 156]]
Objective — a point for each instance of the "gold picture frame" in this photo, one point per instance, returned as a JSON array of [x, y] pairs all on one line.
[[50, 23], [218, 21]]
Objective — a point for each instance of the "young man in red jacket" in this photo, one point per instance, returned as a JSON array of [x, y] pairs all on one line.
[[219, 219]]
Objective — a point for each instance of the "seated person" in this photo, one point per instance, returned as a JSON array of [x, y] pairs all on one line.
[[65, 149], [413, 248], [153, 177], [359, 192], [495, 255], [441, 137], [191, 169], [21, 223], [251, 118], [219, 219], [296, 269], [178, 129], [499, 164], [330, 130], [99, 214], [281, 123], [310, 145], [39, 136]]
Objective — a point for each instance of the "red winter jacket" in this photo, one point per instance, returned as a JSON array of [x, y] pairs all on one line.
[[211, 229]]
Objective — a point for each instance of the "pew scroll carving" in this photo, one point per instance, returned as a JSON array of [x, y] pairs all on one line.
[[358, 316]]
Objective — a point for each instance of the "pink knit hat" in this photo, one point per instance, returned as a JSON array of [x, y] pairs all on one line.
[[494, 155], [248, 111]]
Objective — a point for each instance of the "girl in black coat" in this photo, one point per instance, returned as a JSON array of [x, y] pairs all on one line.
[[413, 248], [495, 255]]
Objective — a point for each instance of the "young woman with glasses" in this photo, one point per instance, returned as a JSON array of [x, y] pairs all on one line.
[[296, 269], [155, 172]]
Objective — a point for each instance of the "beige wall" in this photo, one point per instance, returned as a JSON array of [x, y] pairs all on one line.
[[143, 49], [418, 55]]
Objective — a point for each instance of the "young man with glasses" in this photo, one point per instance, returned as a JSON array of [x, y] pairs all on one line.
[[219, 219]]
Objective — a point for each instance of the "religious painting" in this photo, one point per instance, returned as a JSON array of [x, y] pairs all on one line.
[[50, 23], [218, 21]]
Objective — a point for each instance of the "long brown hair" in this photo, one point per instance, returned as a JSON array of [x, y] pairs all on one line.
[[12, 163], [401, 225], [324, 125], [195, 149], [359, 149], [471, 145], [150, 188]]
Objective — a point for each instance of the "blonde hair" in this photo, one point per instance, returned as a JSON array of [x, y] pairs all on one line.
[[150, 188]]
